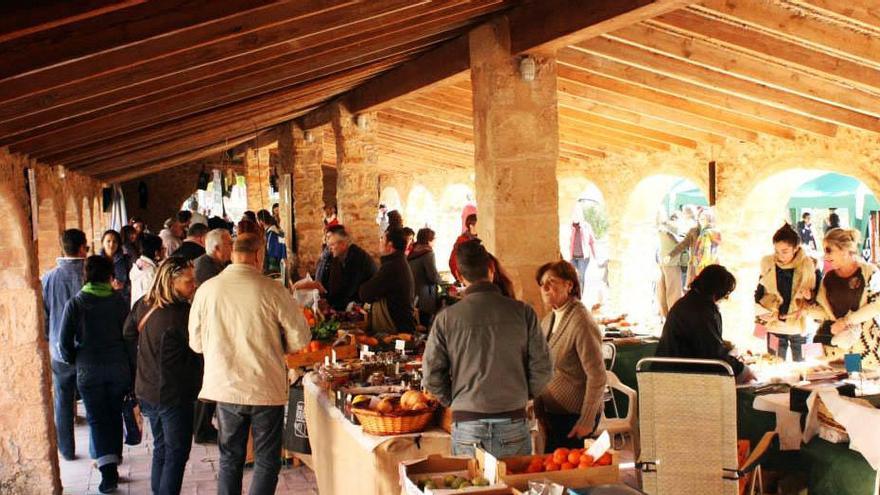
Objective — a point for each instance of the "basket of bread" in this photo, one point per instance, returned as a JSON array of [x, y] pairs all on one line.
[[394, 414]]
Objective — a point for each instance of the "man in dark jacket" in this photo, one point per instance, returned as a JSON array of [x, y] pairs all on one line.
[[693, 327], [393, 283], [194, 244], [350, 268], [485, 358], [59, 285]]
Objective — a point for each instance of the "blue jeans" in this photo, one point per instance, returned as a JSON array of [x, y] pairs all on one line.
[[64, 385], [102, 387], [795, 341], [581, 265], [172, 429], [499, 437], [235, 421]]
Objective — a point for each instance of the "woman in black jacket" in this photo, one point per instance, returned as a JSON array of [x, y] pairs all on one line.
[[169, 373], [91, 338], [423, 264], [693, 327]]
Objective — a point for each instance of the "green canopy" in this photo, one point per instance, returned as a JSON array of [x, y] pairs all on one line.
[[835, 191], [684, 192]]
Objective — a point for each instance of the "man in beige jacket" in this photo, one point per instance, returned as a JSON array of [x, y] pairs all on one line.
[[244, 323]]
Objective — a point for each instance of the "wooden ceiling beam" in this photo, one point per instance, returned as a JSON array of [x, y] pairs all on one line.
[[65, 140], [561, 22], [731, 103], [672, 101], [436, 113], [122, 175], [352, 44], [862, 11], [743, 65], [654, 110], [579, 152], [712, 78], [603, 111], [602, 143], [416, 121], [19, 19], [567, 114], [112, 30], [428, 139], [579, 128], [789, 21], [779, 50]]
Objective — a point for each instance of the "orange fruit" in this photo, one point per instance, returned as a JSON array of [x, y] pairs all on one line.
[[574, 457], [586, 459], [566, 466], [535, 469], [551, 466], [561, 451], [605, 460]]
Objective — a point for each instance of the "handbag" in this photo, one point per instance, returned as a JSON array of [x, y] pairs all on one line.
[[296, 435], [380, 318], [132, 420]]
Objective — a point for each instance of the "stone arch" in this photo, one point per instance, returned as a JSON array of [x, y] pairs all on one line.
[[754, 218], [72, 216], [448, 224], [28, 457], [572, 189], [390, 197], [421, 209], [49, 229], [633, 247]]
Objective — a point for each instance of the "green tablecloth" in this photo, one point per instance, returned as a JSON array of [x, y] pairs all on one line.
[[628, 355], [830, 469]]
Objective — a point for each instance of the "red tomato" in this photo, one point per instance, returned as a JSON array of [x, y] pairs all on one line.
[[574, 457], [566, 466], [551, 466], [605, 460], [586, 461]]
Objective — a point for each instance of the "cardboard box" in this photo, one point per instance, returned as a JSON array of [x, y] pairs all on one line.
[[579, 477], [437, 466]]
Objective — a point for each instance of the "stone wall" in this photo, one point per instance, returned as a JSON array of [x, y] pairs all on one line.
[[28, 456], [166, 192]]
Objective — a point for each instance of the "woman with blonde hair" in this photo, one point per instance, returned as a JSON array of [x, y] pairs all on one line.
[[169, 373], [787, 285], [849, 299]]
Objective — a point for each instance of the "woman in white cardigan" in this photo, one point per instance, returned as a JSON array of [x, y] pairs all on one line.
[[787, 286], [849, 300]]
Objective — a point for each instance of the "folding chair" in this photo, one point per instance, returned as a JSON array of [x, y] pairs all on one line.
[[628, 425], [609, 355], [688, 429]]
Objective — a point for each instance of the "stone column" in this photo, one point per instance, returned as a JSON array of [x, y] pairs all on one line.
[[301, 153], [516, 142], [257, 173], [357, 161]]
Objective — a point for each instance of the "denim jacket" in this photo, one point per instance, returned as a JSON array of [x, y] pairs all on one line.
[[59, 285]]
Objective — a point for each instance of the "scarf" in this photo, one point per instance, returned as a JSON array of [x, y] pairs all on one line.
[[804, 278], [98, 289]]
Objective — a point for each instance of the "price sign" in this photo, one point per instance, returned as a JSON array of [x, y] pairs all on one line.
[[400, 345]]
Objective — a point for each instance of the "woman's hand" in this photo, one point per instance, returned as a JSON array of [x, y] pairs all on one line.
[[579, 432]]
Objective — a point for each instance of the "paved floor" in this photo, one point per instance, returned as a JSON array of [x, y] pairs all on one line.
[[79, 477]]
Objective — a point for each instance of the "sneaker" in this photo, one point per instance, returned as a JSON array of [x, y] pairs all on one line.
[[109, 478]]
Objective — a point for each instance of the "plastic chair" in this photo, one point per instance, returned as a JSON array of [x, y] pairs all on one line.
[[688, 429], [627, 425], [609, 355]]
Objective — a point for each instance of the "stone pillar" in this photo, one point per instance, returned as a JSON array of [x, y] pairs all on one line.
[[516, 143], [257, 173], [301, 153], [357, 160]]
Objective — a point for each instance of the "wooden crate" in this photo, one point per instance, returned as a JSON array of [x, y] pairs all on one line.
[[595, 475]]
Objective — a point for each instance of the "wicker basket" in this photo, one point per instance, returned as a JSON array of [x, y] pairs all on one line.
[[376, 423]]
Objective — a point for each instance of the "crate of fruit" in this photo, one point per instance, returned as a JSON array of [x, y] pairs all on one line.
[[595, 464], [438, 475], [318, 350]]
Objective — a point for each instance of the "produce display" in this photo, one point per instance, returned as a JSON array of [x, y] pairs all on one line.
[[450, 481], [395, 404], [562, 459]]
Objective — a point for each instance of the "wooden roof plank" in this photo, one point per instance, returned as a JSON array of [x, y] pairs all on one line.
[[19, 19]]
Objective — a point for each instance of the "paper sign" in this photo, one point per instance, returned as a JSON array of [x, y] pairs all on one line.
[[813, 350], [333, 356], [853, 363], [326, 360], [400, 345], [773, 343], [760, 331], [365, 351], [600, 446], [490, 467]]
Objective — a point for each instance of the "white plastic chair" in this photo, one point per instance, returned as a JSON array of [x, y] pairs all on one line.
[[627, 425], [609, 355]]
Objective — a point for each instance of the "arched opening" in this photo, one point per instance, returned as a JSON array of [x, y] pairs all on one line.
[[780, 198], [48, 234], [583, 219], [72, 217], [449, 223], [214, 200], [420, 209], [28, 457], [658, 205], [391, 199]]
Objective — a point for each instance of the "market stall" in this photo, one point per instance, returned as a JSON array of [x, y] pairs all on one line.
[[347, 460]]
